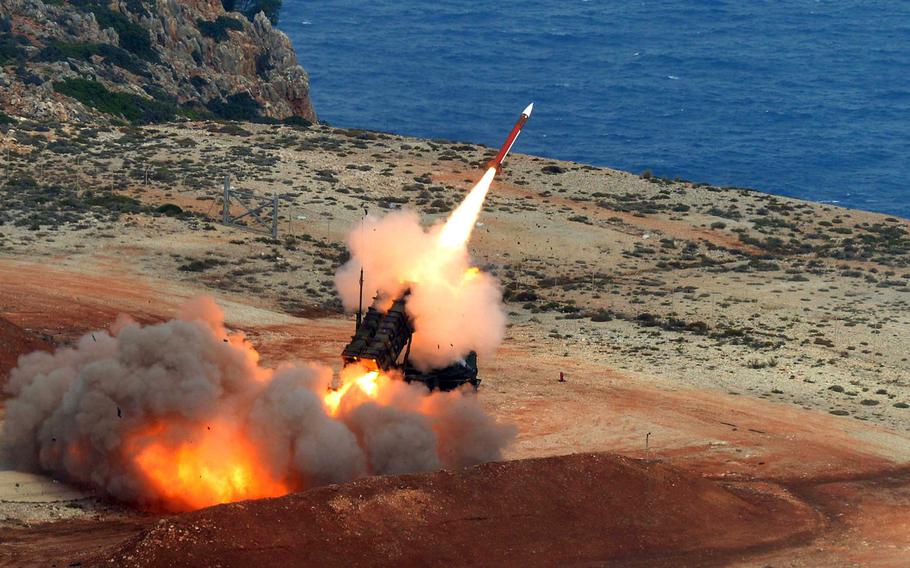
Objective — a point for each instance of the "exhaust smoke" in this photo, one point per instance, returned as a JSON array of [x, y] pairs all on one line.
[[455, 307], [180, 415]]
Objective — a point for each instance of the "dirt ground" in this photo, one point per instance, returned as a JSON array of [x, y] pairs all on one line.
[[853, 474], [502, 514], [763, 369]]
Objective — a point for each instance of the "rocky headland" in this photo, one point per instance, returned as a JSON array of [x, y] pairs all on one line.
[[143, 61]]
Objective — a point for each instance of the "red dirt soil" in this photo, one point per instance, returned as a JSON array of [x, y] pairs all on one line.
[[572, 510], [65, 303], [15, 341], [60, 544], [751, 482]]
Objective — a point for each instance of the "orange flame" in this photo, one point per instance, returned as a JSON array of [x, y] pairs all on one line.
[[366, 383], [470, 274], [214, 465]]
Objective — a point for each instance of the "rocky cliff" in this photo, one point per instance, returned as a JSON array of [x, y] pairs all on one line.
[[146, 61]]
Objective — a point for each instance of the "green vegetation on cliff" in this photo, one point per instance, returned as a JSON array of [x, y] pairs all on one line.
[[250, 8], [126, 71], [59, 51], [11, 48], [140, 110], [218, 30], [133, 37], [131, 107]]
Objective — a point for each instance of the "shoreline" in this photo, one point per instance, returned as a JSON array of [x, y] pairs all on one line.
[[645, 173]]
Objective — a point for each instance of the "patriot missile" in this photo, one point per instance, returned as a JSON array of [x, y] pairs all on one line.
[[510, 140]]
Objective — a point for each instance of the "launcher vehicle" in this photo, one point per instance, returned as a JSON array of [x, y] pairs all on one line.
[[382, 341]]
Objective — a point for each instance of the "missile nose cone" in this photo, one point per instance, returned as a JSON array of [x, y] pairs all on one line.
[[528, 109]]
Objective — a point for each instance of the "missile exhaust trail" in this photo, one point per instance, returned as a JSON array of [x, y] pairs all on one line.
[[457, 229]]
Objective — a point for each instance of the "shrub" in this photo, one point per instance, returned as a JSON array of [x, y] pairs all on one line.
[[133, 37], [200, 265], [170, 210], [135, 7], [239, 106], [27, 77], [58, 51], [601, 316], [553, 170], [762, 265], [198, 82], [297, 121], [11, 48], [524, 296], [250, 8], [113, 202], [759, 364], [131, 107], [218, 30], [163, 174]]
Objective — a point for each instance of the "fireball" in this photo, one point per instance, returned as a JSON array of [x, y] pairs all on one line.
[[191, 467]]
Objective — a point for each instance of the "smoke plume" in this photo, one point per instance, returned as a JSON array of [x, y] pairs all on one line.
[[455, 308], [181, 415]]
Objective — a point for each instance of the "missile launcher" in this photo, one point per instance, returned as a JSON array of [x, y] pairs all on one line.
[[382, 342]]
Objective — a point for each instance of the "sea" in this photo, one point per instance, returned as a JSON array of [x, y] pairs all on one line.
[[803, 98]]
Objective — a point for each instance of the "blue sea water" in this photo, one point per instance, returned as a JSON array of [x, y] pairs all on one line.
[[805, 98]]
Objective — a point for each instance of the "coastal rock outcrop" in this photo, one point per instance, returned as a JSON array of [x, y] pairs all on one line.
[[146, 60]]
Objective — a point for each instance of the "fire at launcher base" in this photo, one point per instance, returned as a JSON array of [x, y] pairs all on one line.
[[383, 342]]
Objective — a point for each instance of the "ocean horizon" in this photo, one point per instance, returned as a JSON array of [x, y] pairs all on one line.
[[806, 99]]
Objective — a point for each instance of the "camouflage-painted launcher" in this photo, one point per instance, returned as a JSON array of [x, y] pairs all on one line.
[[380, 339]]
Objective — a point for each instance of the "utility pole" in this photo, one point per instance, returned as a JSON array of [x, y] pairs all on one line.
[[226, 210], [254, 212], [275, 216]]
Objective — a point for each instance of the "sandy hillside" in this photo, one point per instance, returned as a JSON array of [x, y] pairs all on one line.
[[754, 341]]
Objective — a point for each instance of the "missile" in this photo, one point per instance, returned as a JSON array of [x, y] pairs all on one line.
[[510, 140]]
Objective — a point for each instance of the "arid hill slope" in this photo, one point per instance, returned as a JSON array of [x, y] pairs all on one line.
[[748, 339], [566, 511], [721, 288]]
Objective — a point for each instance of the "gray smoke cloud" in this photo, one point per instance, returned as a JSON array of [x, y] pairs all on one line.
[[121, 404]]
